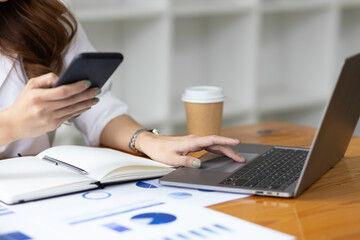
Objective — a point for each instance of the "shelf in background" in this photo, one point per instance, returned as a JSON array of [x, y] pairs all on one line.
[[283, 99], [185, 8], [349, 3], [275, 6], [274, 59], [93, 14]]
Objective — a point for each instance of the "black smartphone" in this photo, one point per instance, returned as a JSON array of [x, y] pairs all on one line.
[[96, 67]]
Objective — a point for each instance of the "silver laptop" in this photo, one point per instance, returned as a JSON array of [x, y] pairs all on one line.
[[284, 171]]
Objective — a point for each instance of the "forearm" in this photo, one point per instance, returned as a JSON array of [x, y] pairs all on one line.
[[118, 132]]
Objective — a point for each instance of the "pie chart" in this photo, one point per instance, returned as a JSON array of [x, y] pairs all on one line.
[[145, 185], [153, 218]]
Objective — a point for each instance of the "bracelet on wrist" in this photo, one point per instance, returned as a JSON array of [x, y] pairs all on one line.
[[136, 134]]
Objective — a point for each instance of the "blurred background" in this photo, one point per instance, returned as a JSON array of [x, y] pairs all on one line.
[[276, 60]]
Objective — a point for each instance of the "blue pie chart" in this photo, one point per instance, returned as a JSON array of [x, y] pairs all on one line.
[[153, 218], [145, 185]]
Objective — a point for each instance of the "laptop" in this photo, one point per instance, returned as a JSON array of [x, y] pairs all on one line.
[[284, 171]]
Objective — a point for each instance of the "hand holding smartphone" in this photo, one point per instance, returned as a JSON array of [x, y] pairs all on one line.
[[97, 67]]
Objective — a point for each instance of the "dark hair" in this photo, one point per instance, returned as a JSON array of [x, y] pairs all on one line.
[[38, 31]]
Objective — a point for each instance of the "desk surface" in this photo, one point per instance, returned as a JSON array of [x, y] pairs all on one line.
[[329, 209]]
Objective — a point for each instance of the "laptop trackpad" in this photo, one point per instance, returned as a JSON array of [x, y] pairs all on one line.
[[225, 164]]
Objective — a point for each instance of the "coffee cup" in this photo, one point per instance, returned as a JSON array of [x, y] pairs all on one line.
[[204, 109]]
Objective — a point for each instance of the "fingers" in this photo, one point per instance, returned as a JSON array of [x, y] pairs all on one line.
[[66, 91], [201, 142], [87, 96], [75, 108], [197, 143], [44, 81], [69, 116], [227, 151], [64, 100], [174, 150], [188, 161], [215, 144], [58, 93]]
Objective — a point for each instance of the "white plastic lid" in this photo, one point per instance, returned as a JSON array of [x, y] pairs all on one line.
[[203, 94]]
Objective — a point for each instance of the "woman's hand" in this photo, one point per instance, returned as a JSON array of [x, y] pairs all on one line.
[[40, 108], [174, 150], [168, 150]]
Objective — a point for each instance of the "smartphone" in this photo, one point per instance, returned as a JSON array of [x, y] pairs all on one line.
[[96, 67]]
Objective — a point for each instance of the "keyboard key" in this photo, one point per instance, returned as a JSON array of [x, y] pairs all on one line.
[[240, 182], [250, 184]]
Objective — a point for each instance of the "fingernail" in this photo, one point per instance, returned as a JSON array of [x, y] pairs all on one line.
[[88, 108], [96, 100], [97, 91], [197, 163], [87, 84], [237, 140], [242, 157]]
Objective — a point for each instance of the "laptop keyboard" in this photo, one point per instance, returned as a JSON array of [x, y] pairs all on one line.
[[276, 169]]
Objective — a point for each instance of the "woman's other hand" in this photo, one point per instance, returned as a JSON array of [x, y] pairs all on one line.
[[174, 150], [41, 108]]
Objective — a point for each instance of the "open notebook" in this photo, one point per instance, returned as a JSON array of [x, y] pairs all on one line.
[[28, 178]]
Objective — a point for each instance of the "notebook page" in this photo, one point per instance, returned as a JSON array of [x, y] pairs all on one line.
[[98, 162], [29, 176]]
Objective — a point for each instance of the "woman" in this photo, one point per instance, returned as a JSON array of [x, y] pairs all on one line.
[[38, 39]]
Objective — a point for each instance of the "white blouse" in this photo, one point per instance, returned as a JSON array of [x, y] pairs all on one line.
[[90, 124]]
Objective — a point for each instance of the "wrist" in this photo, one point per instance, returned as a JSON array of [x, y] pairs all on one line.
[[142, 138], [6, 129]]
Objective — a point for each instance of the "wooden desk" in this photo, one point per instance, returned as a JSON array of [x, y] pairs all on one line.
[[329, 209]]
